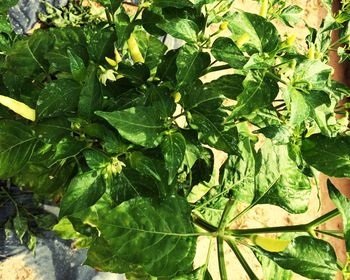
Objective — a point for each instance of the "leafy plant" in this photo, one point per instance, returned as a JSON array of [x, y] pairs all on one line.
[[125, 129]]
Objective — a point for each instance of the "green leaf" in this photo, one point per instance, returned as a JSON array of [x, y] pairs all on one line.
[[90, 98], [20, 225], [173, 147], [66, 148], [17, 143], [100, 43], [96, 160], [259, 92], [271, 270], [52, 130], [183, 29], [83, 191], [175, 4], [307, 256], [291, 15], [153, 234], [151, 48], [279, 181], [224, 49], [263, 35], [103, 257], [190, 63], [312, 74], [279, 134], [58, 98], [122, 24], [343, 205], [328, 155], [139, 125], [26, 57], [237, 174], [77, 65]]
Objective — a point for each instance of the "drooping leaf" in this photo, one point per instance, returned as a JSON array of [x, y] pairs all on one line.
[[58, 98], [83, 191], [190, 63], [150, 233], [328, 155], [343, 205], [307, 256], [173, 147], [224, 49], [17, 143]]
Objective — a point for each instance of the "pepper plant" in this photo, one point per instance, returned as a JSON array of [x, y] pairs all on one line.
[[121, 131]]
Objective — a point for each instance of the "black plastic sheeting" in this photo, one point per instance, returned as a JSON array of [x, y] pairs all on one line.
[[24, 15]]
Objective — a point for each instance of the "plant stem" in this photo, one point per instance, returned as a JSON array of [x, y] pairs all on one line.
[[324, 218], [250, 231], [216, 68], [276, 77], [203, 224], [225, 215], [330, 234], [221, 258], [242, 260]]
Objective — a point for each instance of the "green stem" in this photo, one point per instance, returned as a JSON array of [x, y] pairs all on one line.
[[217, 68], [225, 215], [221, 258], [250, 231], [330, 234], [203, 224], [324, 218], [276, 77], [242, 260]]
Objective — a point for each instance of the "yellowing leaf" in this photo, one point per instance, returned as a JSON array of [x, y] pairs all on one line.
[[270, 244], [18, 107]]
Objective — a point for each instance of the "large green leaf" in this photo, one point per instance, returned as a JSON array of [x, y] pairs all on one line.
[[150, 233], [263, 35], [90, 98], [184, 29], [224, 49], [171, 3], [271, 270], [83, 191], [259, 92], [227, 86], [312, 74], [343, 204], [328, 155], [27, 57], [66, 148], [100, 43], [309, 257], [151, 48], [173, 147], [58, 98], [17, 143], [278, 179], [213, 131], [190, 63], [139, 125], [238, 172]]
